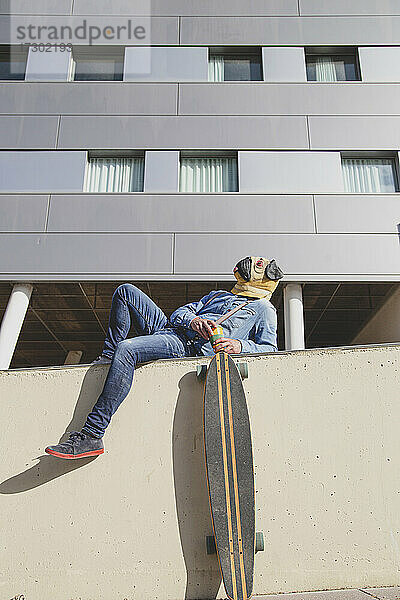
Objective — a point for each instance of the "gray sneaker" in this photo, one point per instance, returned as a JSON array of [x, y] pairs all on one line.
[[78, 445], [101, 360]]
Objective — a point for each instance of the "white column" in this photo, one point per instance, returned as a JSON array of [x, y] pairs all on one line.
[[294, 317], [13, 319]]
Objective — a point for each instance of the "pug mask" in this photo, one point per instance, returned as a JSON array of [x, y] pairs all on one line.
[[257, 277]]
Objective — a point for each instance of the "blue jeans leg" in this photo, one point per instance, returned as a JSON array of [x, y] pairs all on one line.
[[127, 355], [130, 306]]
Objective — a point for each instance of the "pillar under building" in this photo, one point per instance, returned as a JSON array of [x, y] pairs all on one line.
[[12, 322], [294, 317]]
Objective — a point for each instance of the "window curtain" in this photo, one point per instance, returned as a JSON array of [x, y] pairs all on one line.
[[369, 175], [216, 71], [328, 68], [208, 175], [114, 175]]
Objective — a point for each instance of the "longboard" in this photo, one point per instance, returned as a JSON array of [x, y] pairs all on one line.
[[230, 475]]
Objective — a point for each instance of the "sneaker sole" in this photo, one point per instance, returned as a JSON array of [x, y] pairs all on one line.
[[73, 456]]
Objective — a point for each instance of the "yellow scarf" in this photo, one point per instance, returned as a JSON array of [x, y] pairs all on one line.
[[257, 277]]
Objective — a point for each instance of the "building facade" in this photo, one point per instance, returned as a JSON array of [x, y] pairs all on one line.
[[269, 127]]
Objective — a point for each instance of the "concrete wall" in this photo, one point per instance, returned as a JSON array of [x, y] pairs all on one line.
[[132, 523], [384, 326]]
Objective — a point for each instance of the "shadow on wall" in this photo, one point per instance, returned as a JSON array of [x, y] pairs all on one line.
[[191, 493], [49, 467]]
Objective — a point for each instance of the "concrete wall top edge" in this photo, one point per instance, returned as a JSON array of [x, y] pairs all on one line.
[[200, 359]]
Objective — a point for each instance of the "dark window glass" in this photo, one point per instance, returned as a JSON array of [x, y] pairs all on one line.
[[325, 67], [98, 64], [242, 69], [12, 62]]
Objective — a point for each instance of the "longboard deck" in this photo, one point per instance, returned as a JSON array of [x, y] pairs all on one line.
[[230, 474]]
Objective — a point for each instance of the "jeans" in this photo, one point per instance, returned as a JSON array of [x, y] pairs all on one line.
[[130, 306]]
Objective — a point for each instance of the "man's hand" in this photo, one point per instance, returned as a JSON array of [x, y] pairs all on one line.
[[203, 326], [227, 345]]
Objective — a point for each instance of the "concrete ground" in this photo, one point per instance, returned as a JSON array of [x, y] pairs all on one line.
[[384, 593]]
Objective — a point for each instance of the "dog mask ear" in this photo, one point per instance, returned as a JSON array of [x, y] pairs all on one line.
[[273, 272], [244, 268]]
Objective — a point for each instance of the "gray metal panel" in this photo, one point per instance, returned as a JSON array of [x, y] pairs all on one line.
[[380, 64], [42, 171], [88, 98], [183, 132], [28, 132], [183, 213], [47, 66], [23, 213], [163, 30], [100, 254], [288, 99], [337, 256], [344, 7], [38, 7], [290, 172], [188, 7], [201, 99], [357, 214], [355, 133], [294, 31], [284, 64], [166, 64], [161, 172]]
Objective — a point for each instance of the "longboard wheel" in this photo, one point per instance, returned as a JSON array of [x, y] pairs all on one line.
[[259, 541], [243, 370], [210, 544], [201, 371]]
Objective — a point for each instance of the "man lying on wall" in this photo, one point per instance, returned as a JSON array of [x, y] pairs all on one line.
[[249, 325]]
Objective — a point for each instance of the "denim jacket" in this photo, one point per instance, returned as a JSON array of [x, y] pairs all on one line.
[[254, 325]]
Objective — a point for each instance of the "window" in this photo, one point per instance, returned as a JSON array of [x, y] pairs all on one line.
[[332, 64], [12, 62], [369, 175], [234, 64], [113, 174], [206, 174], [97, 63]]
